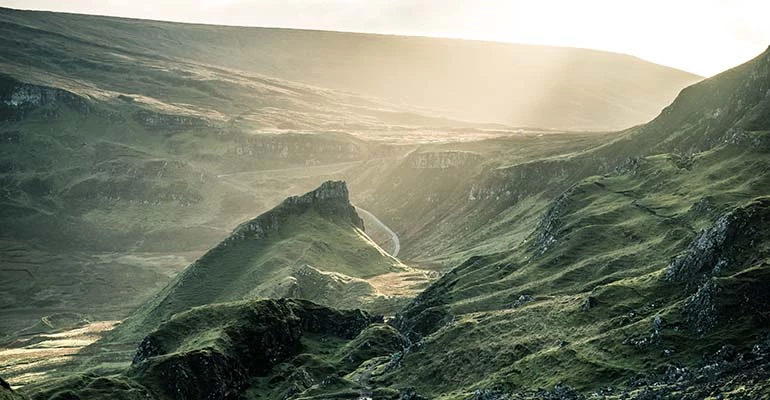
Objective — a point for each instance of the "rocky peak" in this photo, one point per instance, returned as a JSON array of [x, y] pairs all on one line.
[[329, 190], [330, 200]]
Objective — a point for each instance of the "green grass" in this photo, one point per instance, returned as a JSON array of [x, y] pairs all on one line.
[[614, 237], [313, 251]]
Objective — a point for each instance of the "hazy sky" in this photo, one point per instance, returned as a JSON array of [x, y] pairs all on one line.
[[700, 36]]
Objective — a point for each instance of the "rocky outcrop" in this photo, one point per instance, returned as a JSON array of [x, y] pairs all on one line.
[[376, 340], [724, 269], [210, 352], [726, 246], [18, 99], [330, 200], [548, 226]]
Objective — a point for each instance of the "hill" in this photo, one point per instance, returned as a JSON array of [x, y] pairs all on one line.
[[249, 349], [311, 246], [520, 85], [636, 277], [131, 150]]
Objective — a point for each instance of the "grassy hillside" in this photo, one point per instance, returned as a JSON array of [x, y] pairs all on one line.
[[114, 160], [631, 264], [634, 278], [518, 85], [310, 247], [129, 147], [489, 202], [278, 348]]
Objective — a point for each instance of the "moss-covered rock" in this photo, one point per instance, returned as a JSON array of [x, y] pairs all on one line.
[[210, 352]]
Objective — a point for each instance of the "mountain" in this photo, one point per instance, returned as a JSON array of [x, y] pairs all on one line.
[[648, 276], [563, 265], [646, 280], [520, 85], [132, 147], [488, 203], [114, 167], [311, 246]]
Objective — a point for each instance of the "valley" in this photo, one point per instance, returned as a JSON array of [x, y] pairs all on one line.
[[204, 212]]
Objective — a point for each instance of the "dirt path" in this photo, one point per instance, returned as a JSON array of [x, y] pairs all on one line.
[[393, 237]]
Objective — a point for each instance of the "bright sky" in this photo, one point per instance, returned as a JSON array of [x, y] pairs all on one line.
[[700, 36]]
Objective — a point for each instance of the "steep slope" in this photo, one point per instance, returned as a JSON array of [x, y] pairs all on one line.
[[648, 275], [490, 204], [310, 246], [511, 84]]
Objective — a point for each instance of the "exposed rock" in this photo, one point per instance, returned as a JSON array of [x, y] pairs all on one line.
[[307, 149], [522, 300], [17, 99], [699, 309], [330, 199], [209, 352], [549, 223], [410, 394], [723, 244], [629, 166], [589, 303], [683, 161], [489, 394], [375, 341]]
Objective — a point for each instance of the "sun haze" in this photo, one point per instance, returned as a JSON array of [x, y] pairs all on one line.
[[700, 36]]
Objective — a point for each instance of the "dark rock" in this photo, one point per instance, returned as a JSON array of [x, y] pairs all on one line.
[[589, 303], [629, 166], [489, 394], [210, 352], [549, 224], [699, 309], [410, 394], [723, 245], [522, 300]]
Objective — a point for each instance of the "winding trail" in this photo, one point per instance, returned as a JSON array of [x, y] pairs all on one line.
[[381, 225]]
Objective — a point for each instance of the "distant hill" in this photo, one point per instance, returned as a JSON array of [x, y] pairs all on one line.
[[521, 85]]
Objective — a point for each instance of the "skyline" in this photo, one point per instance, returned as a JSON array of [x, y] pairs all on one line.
[[702, 37]]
